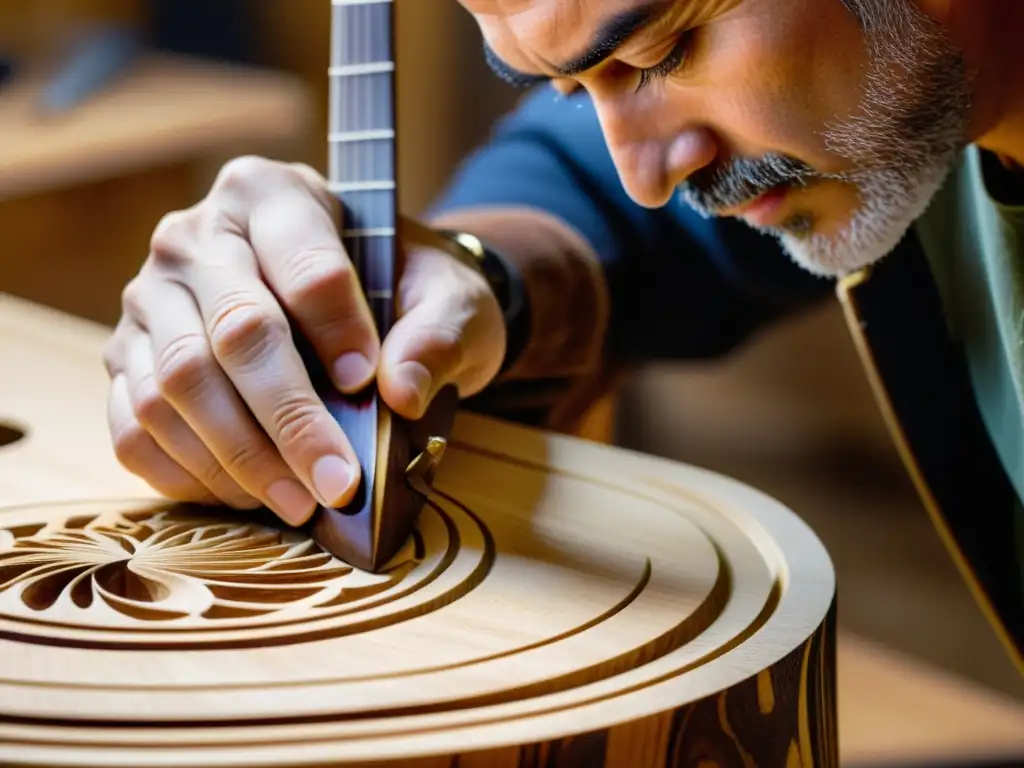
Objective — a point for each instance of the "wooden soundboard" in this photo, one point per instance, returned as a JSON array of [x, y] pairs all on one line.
[[561, 603]]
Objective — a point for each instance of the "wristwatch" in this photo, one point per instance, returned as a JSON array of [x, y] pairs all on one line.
[[505, 281]]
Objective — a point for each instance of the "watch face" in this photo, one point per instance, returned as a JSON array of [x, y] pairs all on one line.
[[490, 265], [471, 244]]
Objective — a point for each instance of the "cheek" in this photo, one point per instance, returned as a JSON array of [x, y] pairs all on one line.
[[775, 73]]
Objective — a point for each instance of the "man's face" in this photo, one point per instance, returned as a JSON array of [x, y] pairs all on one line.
[[828, 123]]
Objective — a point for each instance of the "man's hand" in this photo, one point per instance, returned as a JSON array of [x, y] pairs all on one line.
[[209, 400]]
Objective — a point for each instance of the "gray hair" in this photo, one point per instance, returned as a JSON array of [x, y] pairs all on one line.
[[903, 139]]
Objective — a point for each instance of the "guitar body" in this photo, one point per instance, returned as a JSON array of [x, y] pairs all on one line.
[[557, 603]]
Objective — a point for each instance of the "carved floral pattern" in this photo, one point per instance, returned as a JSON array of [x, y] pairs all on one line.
[[174, 567]]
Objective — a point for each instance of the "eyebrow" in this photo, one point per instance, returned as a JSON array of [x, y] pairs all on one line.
[[613, 35], [508, 73]]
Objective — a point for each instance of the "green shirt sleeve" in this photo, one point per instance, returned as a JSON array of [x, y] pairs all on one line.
[[972, 235]]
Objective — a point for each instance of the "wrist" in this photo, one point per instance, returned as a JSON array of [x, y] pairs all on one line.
[[506, 283]]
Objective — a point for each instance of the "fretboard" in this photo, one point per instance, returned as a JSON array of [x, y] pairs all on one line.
[[362, 162]]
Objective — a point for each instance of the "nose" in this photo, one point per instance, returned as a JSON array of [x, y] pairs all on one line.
[[653, 154]]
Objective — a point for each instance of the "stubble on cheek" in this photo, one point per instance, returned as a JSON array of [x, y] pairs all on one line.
[[801, 64]]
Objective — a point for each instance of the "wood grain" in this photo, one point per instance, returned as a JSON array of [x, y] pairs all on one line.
[[561, 603]]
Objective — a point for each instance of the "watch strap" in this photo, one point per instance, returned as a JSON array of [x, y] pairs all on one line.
[[509, 287]]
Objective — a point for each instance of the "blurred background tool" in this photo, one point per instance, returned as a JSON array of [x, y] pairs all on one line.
[[94, 61]]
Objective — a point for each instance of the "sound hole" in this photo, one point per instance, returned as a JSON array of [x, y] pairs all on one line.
[[9, 434]]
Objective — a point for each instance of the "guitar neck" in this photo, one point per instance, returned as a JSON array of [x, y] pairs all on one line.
[[363, 156]]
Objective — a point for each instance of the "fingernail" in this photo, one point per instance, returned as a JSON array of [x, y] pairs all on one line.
[[352, 371], [417, 379], [290, 500], [332, 476]]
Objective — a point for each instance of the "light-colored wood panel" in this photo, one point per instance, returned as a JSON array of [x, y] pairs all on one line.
[[890, 707], [525, 617], [165, 110]]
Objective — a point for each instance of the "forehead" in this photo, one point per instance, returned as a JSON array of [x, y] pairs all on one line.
[[553, 30]]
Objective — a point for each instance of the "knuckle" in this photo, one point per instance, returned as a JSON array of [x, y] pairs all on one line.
[[171, 236], [242, 332], [440, 346], [112, 355], [307, 172], [243, 457], [295, 419], [214, 475], [446, 342], [131, 297], [317, 275], [130, 442], [315, 182], [346, 327], [148, 405], [240, 175], [183, 367]]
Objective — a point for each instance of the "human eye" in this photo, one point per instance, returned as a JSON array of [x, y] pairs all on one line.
[[510, 75], [672, 62]]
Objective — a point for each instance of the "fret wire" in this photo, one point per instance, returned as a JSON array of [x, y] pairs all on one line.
[[366, 68], [367, 44], [375, 250], [353, 44], [364, 107], [368, 53], [344, 137], [365, 104], [370, 232], [364, 44]]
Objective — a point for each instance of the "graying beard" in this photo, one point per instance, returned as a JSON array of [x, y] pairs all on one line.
[[904, 141], [742, 179], [905, 122]]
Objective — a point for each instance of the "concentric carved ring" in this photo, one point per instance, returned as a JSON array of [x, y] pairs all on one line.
[[580, 605], [567, 604], [121, 574]]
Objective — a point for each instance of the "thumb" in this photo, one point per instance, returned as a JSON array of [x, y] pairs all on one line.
[[450, 331], [424, 352]]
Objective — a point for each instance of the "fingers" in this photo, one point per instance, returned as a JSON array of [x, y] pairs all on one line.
[[212, 397], [420, 356], [219, 410], [175, 438], [450, 330], [297, 244], [140, 454], [249, 365]]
